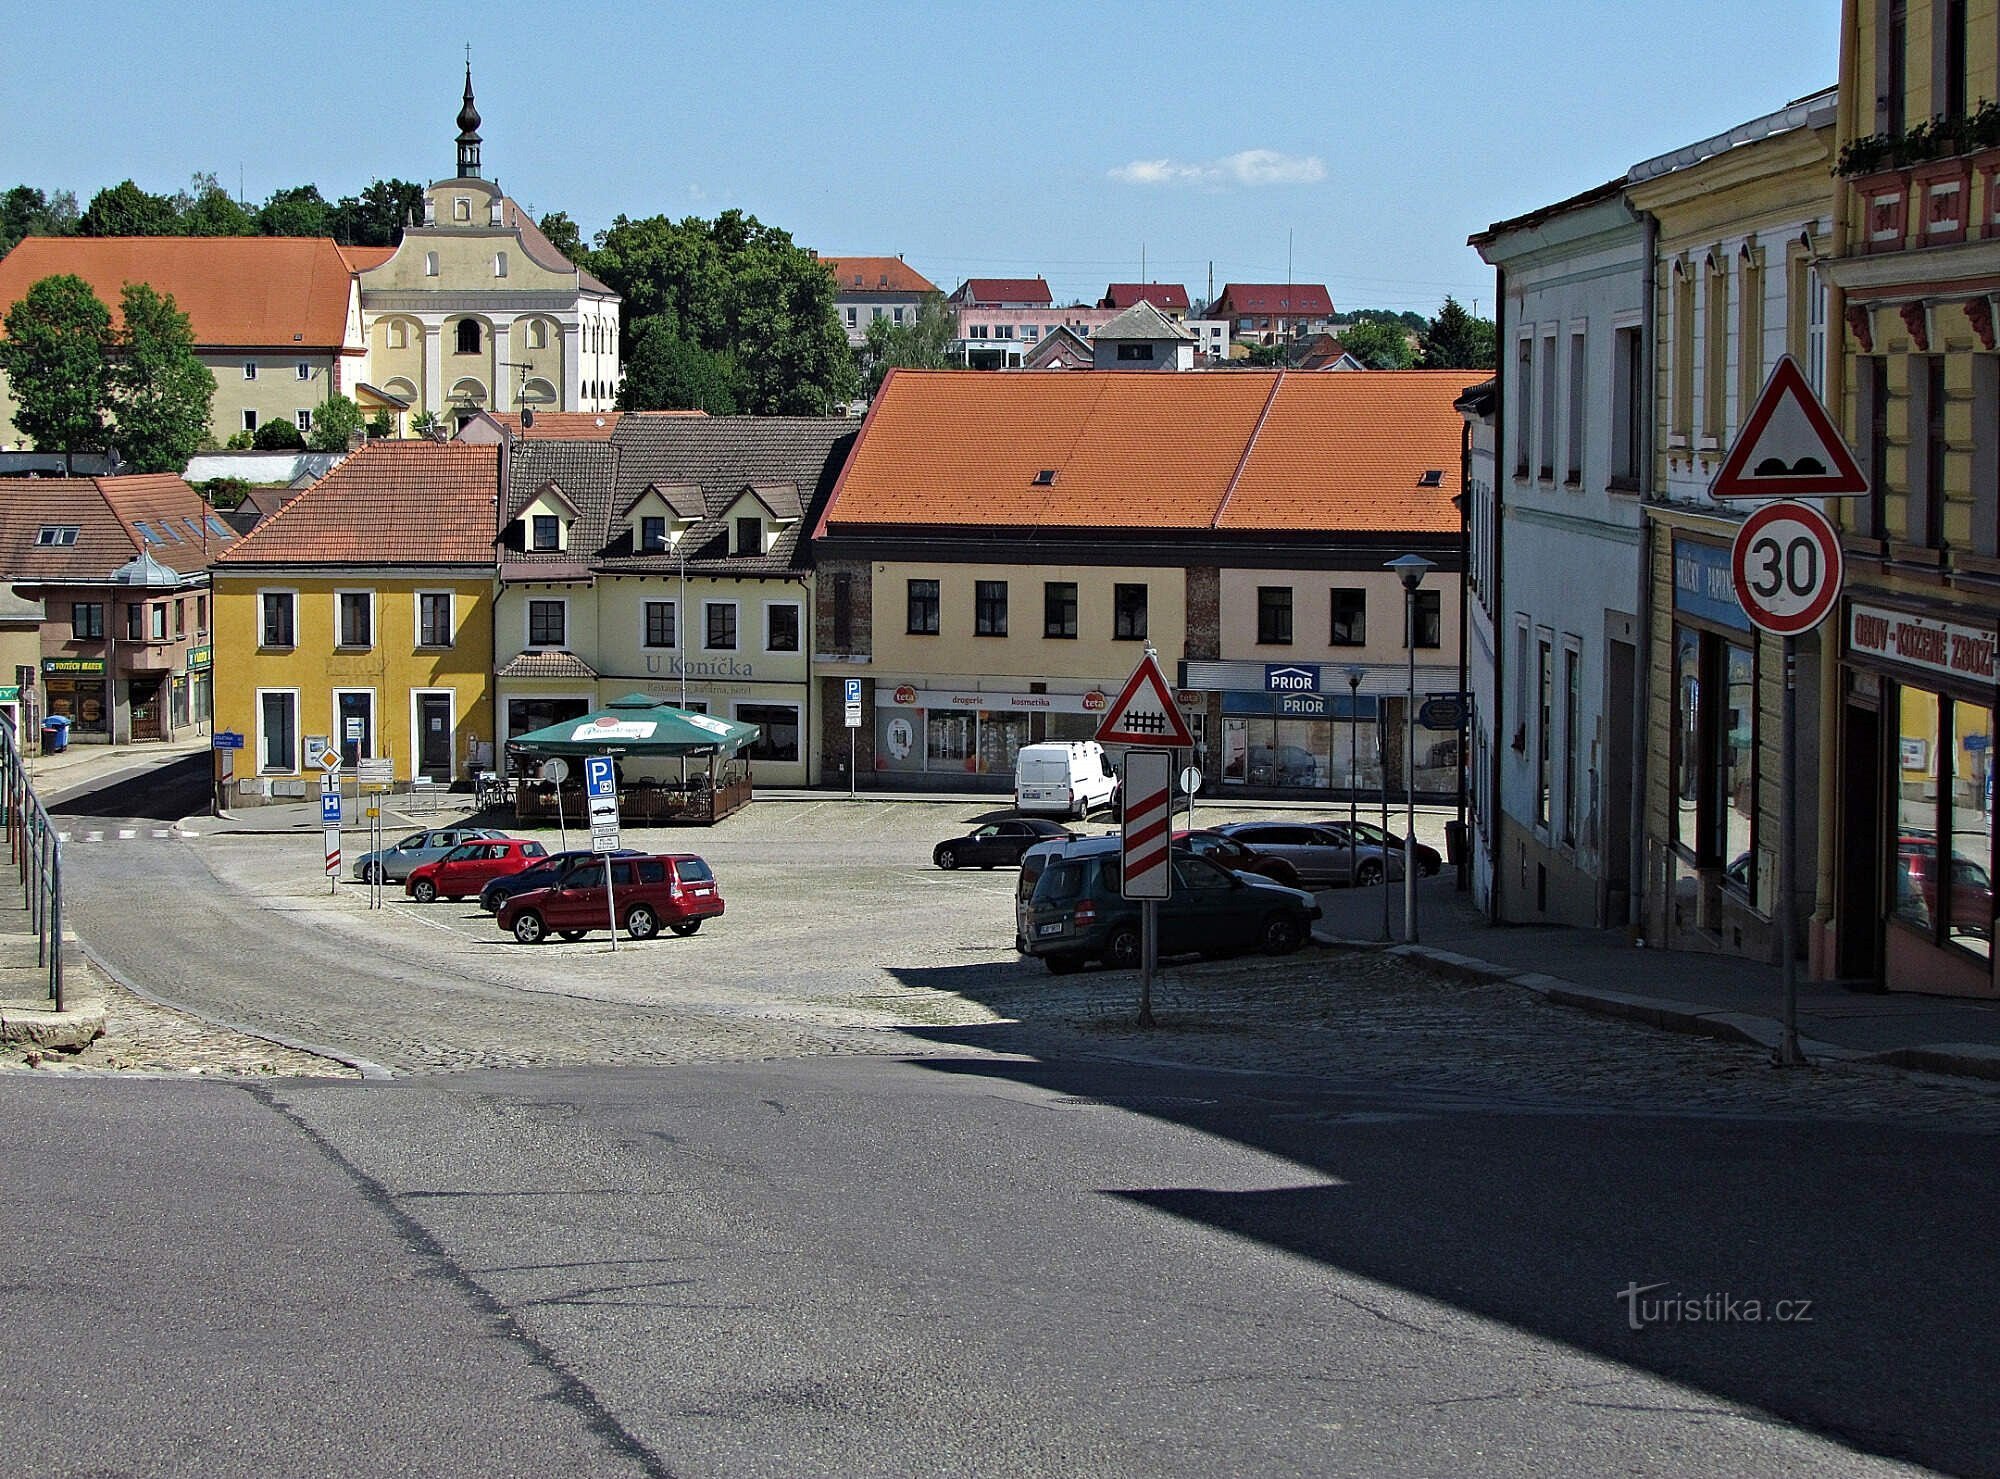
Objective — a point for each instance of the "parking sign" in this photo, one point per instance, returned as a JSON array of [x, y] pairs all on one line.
[[599, 780]]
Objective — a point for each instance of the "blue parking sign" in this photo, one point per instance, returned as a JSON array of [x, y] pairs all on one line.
[[854, 690], [329, 808], [598, 777]]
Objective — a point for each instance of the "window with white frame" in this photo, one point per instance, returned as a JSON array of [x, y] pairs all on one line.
[[305, 370], [250, 369], [434, 625], [249, 420], [278, 618], [277, 730], [659, 621], [719, 624], [355, 612], [781, 626], [548, 623], [305, 420]]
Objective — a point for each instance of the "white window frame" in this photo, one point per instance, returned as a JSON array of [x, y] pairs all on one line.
[[499, 264], [417, 696], [305, 369], [292, 594], [338, 734], [734, 605], [672, 605], [528, 644], [298, 737], [799, 607], [343, 591], [249, 419], [304, 419], [417, 621], [430, 264], [249, 369]]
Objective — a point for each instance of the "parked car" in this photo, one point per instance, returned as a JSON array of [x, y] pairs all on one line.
[[678, 890], [1077, 913], [997, 843], [1429, 859], [1284, 766], [1321, 854], [470, 866], [395, 862], [1068, 779], [1971, 886], [1236, 856], [540, 875]]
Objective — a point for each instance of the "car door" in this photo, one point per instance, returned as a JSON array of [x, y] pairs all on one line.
[[1296, 845], [467, 867], [979, 847], [1011, 839], [581, 904], [1207, 910]]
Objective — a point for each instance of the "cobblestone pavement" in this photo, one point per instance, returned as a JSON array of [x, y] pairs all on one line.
[[841, 938]]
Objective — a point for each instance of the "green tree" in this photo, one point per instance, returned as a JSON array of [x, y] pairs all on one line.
[[206, 209], [739, 289], [1378, 345], [26, 211], [424, 423], [1455, 340], [54, 356], [375, 217], [126, 210], [1402, 317], [224, 493], [922, 344], [666, 372], [563, 235], [278, 435], [335, 420], [299, 211], [161, 394]]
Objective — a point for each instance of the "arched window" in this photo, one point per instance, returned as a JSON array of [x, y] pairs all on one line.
[[461, 209], [399, 334], [499, 264], [468, 336], [430, 264], [538, 333]]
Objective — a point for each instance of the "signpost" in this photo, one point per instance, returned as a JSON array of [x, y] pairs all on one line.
[[1146, 717], [1787, 569], [1191, 783], [329, 821], [853, 687], [555, 770], [226, 739], [600, 790]]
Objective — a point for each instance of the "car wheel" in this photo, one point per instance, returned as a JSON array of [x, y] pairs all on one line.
[[572, 934], [424, 891], [946, 858], [641, 923], [685, 927], [1063, 965], [1281, 935], [372, 873], [1368, 874], [1122, 950], [528, 928]]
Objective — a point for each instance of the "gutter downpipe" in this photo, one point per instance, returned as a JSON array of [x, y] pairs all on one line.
[[1635, 862], [1502, 395], [1464, 869]]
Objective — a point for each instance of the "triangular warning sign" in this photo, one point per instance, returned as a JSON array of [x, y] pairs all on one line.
[[1788, 447], [1144, 713]]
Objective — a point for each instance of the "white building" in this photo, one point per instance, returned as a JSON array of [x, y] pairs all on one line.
[[1480, 408]]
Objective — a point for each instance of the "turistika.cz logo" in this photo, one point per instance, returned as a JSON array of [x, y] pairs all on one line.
[[1645, 1306]]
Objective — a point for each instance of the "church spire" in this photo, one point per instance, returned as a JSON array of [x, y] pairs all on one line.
[[468, 131]]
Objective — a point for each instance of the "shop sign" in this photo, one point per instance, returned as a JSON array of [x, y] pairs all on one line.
[[907, 697], [1952, 649], [10, 693], [1705, 585], [1300, 705], [200, 657], [1291, 677], [79, 666]]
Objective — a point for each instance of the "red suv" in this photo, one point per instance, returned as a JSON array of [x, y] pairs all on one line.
[[469, 867], [678, 890]]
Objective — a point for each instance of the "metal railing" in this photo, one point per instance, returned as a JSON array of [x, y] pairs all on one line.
[[36, 851]]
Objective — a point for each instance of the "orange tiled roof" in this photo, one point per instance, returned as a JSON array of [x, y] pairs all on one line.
[[902, 277], [361, 258], [566, 426], [239, 291], [412, 502], [1249, 452]]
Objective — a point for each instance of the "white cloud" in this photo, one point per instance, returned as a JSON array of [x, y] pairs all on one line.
[[1244, 169]]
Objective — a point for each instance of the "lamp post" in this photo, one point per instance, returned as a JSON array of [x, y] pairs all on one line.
[[1411, 570], [1354, 677]]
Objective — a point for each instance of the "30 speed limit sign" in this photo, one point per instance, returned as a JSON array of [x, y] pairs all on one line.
[[1787, 566]]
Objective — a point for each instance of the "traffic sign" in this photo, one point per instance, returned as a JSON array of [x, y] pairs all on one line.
[[375, 770], [1191, 779], [599, 778], [327, 759], [1788, 447], [853, 703], [227, 739], [333, 847], [329, 811], [1147, 854], [555, 770], [1144, 713], [1787, 567]]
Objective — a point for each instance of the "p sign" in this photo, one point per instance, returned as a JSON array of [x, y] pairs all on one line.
[[1787, 566]]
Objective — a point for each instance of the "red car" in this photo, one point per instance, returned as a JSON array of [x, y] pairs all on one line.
[[469, 867], [678, 890]]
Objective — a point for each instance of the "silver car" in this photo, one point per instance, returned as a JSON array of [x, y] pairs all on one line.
[[395, 863], [1321, 852]]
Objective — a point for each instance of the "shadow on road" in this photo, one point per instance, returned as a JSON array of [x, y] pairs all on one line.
[[1663, 1242], [165, 793]]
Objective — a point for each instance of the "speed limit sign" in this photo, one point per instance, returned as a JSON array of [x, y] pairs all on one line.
[[1787, 566]]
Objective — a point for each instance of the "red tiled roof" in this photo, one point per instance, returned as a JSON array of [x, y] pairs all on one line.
[[361, 258], [238, 291], [1163, 295], [412, 502], [114, 518], [567, 426], [1307, 298], [1251, 452], [1032, 291], [876, 275]]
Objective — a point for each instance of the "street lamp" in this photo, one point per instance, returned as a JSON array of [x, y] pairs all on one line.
[[1411, 570], [1354, 677]]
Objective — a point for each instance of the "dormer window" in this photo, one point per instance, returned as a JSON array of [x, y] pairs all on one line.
[[750, 536], [1432, 478], [652, 534], [546, 532]]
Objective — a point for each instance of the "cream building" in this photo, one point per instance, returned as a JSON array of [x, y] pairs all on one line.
[[477, 310]]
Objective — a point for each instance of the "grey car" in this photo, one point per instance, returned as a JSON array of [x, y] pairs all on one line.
[[1321, 852], [397, 861]]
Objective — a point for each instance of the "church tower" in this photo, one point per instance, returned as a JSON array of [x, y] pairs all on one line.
[[468, 133]]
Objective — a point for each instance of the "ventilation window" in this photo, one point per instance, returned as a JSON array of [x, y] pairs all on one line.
[[1046, 478], [1432, 479]]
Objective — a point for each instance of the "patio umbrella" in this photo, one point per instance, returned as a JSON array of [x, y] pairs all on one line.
[[638, 724]]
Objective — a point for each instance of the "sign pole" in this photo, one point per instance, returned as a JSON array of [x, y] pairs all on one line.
[[1149, 955], [1789, 1055], [850, 765]]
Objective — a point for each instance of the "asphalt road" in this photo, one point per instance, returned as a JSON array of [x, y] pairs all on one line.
[[783, 1237]]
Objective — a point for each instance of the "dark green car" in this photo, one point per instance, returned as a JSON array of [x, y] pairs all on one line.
[[1076, 913]]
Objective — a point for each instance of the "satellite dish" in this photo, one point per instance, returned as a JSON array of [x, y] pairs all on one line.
[[527, 417]]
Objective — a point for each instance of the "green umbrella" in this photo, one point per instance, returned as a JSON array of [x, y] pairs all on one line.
[[638, 724]]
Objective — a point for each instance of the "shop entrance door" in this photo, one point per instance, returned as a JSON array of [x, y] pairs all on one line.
[[148, 723], [1858, 950], [434, 735]]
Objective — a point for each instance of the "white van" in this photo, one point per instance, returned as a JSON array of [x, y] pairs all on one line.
[[1064, 779]]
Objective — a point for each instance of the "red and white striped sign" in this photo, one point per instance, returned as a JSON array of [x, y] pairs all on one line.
[[1149, 824], [332, 850]]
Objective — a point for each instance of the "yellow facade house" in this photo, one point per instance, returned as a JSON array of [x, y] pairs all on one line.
[[363, 611]]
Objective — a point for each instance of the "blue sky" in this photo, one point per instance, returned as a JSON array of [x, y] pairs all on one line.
[[1367, 141]]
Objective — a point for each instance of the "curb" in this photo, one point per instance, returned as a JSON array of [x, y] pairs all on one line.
[[1960, 1060], [73, 1029]]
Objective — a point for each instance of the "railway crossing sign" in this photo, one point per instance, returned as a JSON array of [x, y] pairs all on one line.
[[1787, 566], [1788, 447], [1146, 858], [1144, 713]]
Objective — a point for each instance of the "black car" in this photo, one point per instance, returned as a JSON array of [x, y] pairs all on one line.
[[544, 873], [1429, 859], [997, 844]]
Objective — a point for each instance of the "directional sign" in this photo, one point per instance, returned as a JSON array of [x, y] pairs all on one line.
[[1788, 447], [375, 770], [1146, 857], [1144, 713], [227, 739], [329, 811], [1787, 567]]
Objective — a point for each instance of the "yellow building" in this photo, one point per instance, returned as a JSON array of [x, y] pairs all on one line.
[[363, 611]]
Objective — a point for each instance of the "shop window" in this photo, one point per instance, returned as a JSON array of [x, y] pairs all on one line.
[[1059, 609], [989, 608], [1128, 613], [923, 608], [659, 623], [1274, 615], [1688, 752], [779, 724], [1735, 740], [1350, 617], [1944, 820]]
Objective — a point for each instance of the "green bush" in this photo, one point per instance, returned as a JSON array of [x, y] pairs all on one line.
[[278, 436]]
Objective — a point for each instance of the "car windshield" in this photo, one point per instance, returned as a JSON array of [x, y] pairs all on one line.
[[693, 870]]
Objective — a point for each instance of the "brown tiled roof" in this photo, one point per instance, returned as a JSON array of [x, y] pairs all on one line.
[[116, 519], [289, 292], [544, 664], [1167, 295], [546, 253], [562, 426], [876, 275], [414, 502], [1265, 452], [1033, 291], [361, 258], [1309, 299]]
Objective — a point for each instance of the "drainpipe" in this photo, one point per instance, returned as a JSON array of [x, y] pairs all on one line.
[[1464, 869], [1635, 860], [1502, 398]]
